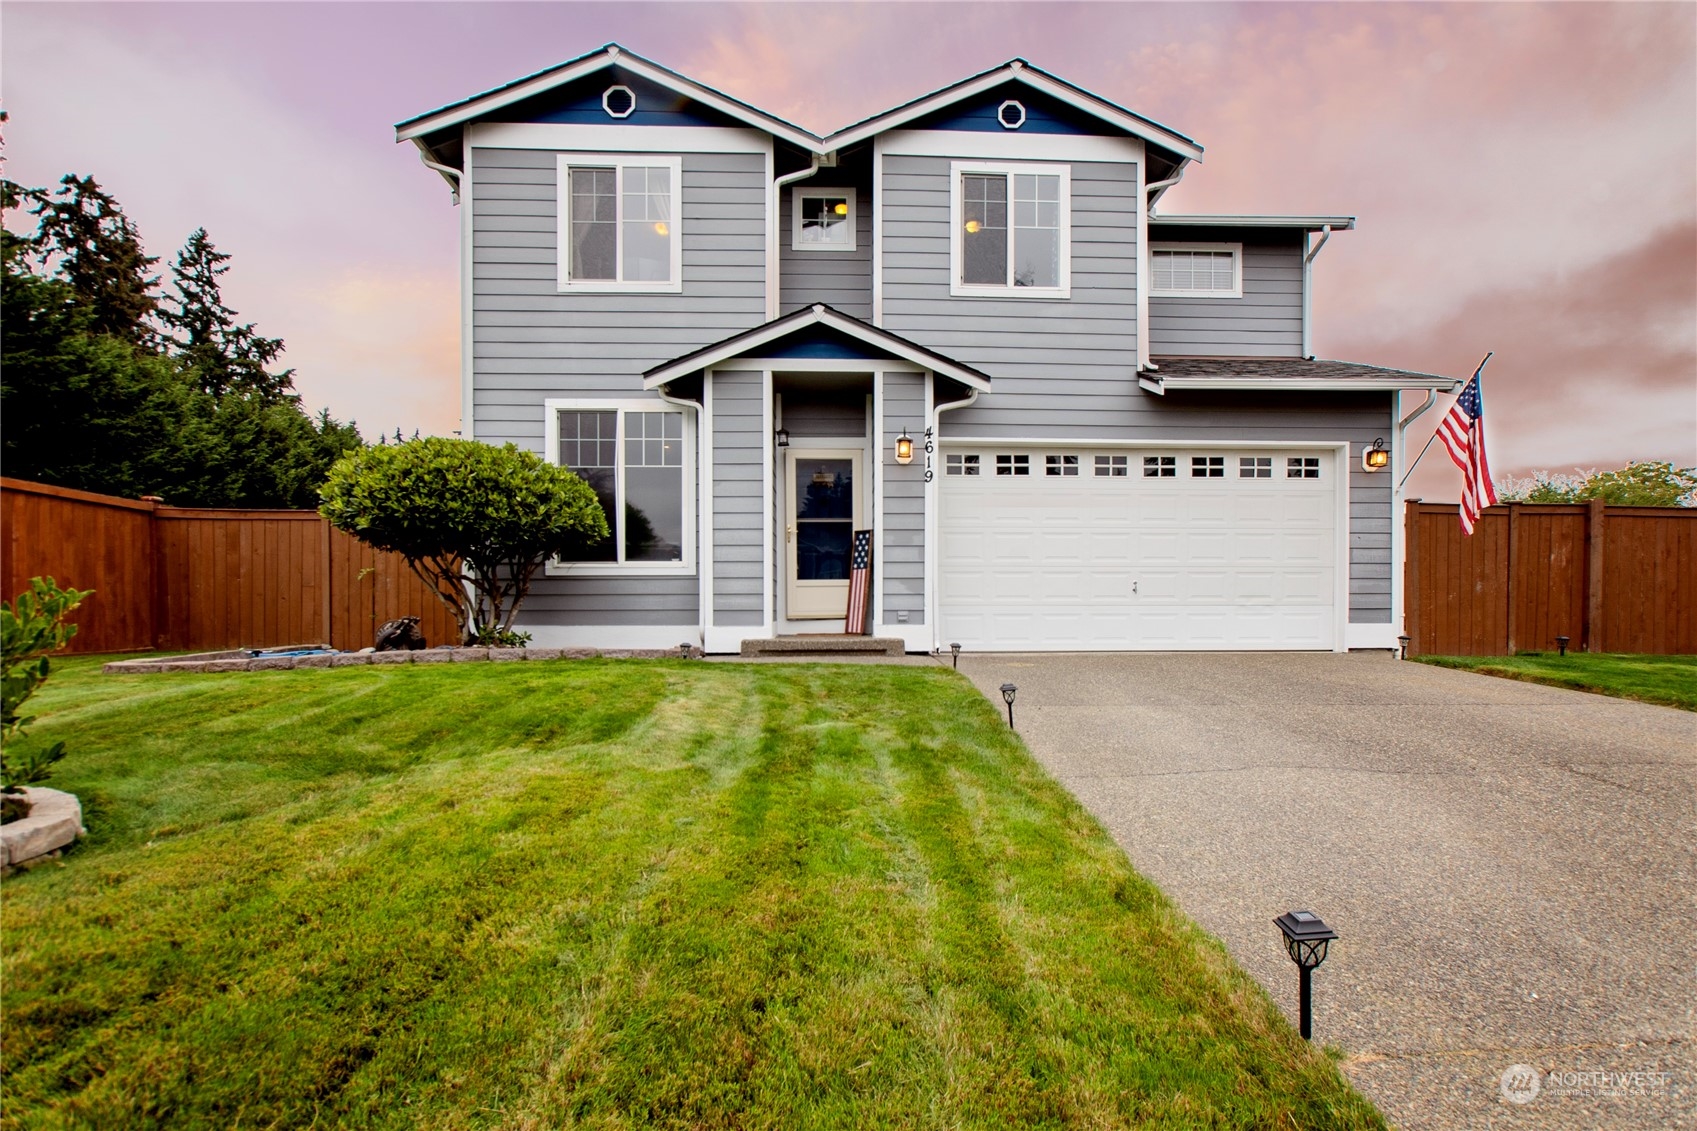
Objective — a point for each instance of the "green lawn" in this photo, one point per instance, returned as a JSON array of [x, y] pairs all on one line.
[[1670, 681], [605, 894]]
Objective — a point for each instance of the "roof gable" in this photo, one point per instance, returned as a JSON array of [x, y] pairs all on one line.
[[1044, 114], [578, 103]]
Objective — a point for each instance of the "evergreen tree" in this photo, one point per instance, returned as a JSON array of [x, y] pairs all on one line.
[[84, 238], [217, 353]]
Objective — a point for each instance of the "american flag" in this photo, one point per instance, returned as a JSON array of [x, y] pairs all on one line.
[[1463, 433], [860, 583]]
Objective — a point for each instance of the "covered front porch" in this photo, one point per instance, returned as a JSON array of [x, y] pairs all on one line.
[[800, 422]]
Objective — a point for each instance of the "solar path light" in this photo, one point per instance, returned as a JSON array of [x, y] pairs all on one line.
[[1404, 641], [1008, 692], [1561, 643], [954, 651], [1306, 938]]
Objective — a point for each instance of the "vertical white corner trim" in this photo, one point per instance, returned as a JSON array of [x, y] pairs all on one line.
[[877, 502], [1307, 287], [468, 404], [769, 572], [878, 230], [928, 496], [1143, 269], [1341, 589], [1399, 533], [709, 530], [772, 191]]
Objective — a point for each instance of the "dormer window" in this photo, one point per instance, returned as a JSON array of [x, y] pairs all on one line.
[[1012, 230], [619, 224], [824, 219], [1196, 270]]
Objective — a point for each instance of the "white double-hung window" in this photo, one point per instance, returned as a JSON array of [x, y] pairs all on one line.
[[1012, 229], [639, 458], [1196, 270], [620, 228]]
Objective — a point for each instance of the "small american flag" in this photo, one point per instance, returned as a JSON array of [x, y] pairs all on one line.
[[1463, 433], [860, 583]]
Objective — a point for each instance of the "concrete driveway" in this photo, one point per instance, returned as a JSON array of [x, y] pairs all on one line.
[[1512, 868]]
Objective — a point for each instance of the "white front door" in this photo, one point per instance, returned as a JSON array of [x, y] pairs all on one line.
[[823, 507]]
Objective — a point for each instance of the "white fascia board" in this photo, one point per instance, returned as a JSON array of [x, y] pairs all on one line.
[[1305, 223], [1118, 118], [745, 345], [1309, 384], [972, 145], [616, 139], [478, 107]]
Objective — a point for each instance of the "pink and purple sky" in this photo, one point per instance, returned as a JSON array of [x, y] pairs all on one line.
[[1525, 174]]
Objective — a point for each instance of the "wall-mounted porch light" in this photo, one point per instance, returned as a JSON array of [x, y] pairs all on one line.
[[1376, 458], [1306, 939], [783, 435], [904, 448]]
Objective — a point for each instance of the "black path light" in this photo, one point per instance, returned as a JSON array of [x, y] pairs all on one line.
[[954, 650], [685, 649], [1404, 641], [1306, 938], [1561, 643], [1008, 692]]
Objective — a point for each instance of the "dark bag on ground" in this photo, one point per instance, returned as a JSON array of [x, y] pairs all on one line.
[[400, 635]]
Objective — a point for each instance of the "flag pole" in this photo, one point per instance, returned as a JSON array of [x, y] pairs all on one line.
[[1434, 434]]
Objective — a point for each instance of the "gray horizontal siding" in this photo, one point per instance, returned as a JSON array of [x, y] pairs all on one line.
[[903, 566], [840, 279], [1130, 414], [738, 497], [612, 601], [825, 415], [531, 342], [1265, 322], [1047, 356]]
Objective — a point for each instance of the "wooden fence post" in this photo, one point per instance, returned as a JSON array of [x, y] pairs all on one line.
[[1513, 567], [329, 580], [1594, 530], [1411, 575]]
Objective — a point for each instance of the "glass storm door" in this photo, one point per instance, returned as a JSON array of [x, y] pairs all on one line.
[[822, 511]]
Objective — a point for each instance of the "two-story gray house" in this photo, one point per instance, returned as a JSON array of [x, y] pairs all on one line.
[[729, 326]]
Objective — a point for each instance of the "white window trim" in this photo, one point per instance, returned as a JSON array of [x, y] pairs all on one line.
[[800, 193], [551, 453], [564, 163], [958, 169], [1237, 270]]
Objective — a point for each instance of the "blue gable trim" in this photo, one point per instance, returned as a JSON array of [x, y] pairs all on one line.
[[822, 341], [1043, 115], [579, 104]]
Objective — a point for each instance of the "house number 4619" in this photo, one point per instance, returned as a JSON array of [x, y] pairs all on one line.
[[930, 446]]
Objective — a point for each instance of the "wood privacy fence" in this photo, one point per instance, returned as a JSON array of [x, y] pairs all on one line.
[[1611, 579], [179, 578]]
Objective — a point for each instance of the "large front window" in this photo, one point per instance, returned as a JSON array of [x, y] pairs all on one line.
[[619, 227], [1012, 230], [639, 462]]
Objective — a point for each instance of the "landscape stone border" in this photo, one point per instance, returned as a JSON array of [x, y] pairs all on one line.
[[238, 660], [54, 821]]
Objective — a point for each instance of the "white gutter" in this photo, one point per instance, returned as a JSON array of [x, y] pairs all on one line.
[[1402, 429], [449, 173], [703, 541], [773, 235], [932, 541], [1146, 262], [1308, 286]]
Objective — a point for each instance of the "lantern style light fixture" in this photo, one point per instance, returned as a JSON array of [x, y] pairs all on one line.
[[685, 648], [1008, 692], [954, 651], [1561, 644], [904, 448], [1306, 940], [1376, 458], [1404, 642], [783, 435]]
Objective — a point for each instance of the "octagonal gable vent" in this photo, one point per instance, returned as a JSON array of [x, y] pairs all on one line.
[[1011, 114], [618, 101]]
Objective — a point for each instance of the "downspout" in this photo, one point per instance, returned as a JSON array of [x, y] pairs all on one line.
[[702, 540], [932, 604], [447, 171], [1145, 268], [1307, 285], [773, 234]]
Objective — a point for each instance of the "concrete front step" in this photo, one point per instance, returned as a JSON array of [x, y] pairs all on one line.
[[816, 644]]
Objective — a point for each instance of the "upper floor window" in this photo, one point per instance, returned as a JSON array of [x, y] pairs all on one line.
[[1012, 229], [619, 223], [823, 219], [1196, 270]]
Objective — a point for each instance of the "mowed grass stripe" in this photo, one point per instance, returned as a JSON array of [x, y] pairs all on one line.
[[606, 894]]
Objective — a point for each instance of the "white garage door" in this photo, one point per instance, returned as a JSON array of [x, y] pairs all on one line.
[[1180, 549]]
